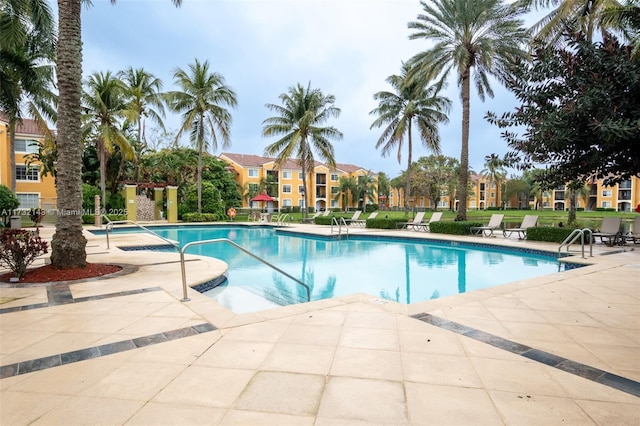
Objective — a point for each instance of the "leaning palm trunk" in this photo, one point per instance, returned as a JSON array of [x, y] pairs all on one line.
[[68, 246]]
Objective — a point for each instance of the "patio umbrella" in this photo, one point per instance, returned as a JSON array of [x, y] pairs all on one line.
[[263, 197]]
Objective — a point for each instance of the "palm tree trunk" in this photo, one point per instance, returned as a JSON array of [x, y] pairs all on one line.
[[305, 206], [199, 177], [12, 154], [407, 188], [68, 246], [464, 152], [103, 171]]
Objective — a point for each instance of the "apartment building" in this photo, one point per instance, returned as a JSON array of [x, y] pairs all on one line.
[[256, 174], [623, 197], [32, 188]]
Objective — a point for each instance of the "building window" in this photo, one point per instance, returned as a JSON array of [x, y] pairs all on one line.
[[253, 173], [444, 203], [286, 189], [606, 204], [28, 201], [300, 189], [301, 203], [300, 175], [334, 204], [286, 175], [334, 190], [334, 177], [286, 202], [28, 146], [254, 187], [606, 193], [30, 175]]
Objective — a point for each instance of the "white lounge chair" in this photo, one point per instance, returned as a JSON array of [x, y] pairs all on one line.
[[363, 222], [528, 221], [610, 230], [435, 217], [417, 221], [487, 230], [355, 218]]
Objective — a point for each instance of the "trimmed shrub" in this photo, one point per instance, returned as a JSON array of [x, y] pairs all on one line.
[[19, 249], [384, 223], [8, 202], [200, 217], [462, 227], [371, 208], [88, 197], [549, 234], [88, 219]]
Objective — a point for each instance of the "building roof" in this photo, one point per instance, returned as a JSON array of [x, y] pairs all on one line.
[[250, 160], [26, 126]]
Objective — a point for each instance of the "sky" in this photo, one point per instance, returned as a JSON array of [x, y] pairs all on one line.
[[346, 48]]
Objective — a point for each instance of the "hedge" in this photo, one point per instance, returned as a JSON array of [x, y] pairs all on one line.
[[200, 217], [89, 219], [452, 227], [548, 233], [384, 223]]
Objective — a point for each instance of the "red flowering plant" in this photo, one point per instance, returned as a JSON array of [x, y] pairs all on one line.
[[19, 248]]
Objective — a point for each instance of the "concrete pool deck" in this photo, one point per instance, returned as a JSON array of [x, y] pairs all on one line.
[[558, 349]]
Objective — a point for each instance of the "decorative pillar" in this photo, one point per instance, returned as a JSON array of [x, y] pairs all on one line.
[[158, 198], [172, 204], [97, 212], [130, 201]]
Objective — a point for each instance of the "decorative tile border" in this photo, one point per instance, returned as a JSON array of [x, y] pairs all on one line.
[[29, 366], [60, 294], [585, 371]]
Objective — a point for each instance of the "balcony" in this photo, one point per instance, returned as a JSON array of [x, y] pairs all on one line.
[[624, 195]]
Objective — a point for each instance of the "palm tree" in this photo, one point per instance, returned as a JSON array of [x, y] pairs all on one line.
[[494, 172], [299, 123], [143, 92], [27, 49], [202, 102], [365, 190], [412, 101], [105, 110], [484, 35], [626, 19], [68, 246], [346, 190]]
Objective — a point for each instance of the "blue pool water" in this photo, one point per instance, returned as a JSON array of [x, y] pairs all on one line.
[[397, 269]]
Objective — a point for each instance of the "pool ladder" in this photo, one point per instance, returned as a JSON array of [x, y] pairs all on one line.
[[575, 234], [339, 222]]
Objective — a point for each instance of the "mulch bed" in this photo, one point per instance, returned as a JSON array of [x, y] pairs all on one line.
[[45, 274]]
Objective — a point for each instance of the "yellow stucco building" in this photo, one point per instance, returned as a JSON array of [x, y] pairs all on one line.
[[254, 172], [32, 188]]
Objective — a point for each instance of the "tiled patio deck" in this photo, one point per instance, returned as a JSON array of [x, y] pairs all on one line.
[[560, 349]]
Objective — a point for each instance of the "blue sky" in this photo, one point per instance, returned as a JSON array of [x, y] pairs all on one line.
[[346, 48]]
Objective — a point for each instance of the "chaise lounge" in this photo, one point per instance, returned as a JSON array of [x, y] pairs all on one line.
[[487, 230], [528, 221], [413, 224], [609, 231], [435, 217]]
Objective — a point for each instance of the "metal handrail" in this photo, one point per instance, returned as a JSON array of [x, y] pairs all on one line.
[[573, 236], [226, 240], [339, 222], [110, 224], [281, 219]]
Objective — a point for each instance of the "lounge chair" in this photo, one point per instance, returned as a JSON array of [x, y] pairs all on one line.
[[355, 218], [487, 230], [528, 221], [634, 234], [326, 212], [417, 221], [363, 222], [609, 231], [435, 217]]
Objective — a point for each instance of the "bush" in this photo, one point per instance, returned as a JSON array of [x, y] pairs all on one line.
[[19, 249], [371, 208], [200, 217], [115, 202], [89, 193], [8, 202], [462, 227], [384, 223], [88, 219], [548, 233]]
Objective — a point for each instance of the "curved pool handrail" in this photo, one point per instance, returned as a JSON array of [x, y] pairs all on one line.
[[110, 224], [228, 241]]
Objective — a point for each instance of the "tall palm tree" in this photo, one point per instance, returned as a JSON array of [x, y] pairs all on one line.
[[300, 122], [27, 51], [483, 35], [413, 101], [105, 110], [494, 172], [365, 190], [346, 190], [143, 92], [202, 102], [68, 246]]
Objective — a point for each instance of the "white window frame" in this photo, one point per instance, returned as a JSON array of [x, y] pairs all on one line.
[[300, 176], [286, 175], [301, 203], [286, 202], [606, 204], [334, 177], [606, 193], [29, 205], [28, 172], [334, 204], [30, 146], [286, 189], [334, 190], [253, 173], [300, 189]]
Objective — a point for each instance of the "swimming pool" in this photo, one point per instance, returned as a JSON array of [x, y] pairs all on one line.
[[401, 270]]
